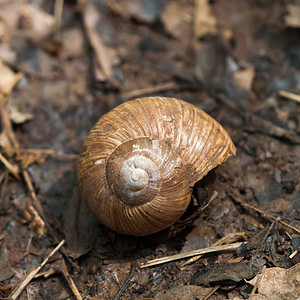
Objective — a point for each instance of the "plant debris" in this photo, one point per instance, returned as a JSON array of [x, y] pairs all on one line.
[[63, 64]]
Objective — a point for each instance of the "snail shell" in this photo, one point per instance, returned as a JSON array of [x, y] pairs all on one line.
[[139, 162]]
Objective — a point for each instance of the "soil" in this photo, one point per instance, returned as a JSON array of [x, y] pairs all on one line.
[[237, 60]]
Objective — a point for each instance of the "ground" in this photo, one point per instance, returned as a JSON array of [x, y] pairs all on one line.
[[63, 64]]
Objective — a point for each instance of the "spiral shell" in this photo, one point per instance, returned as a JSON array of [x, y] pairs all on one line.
[[139, 162]]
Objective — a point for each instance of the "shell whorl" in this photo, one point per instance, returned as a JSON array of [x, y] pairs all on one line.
[[140, 160], [139, 170]]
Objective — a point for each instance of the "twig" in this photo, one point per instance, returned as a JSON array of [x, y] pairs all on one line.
[[33, 216], [262, 243], [32, 193], [229, 238], [149, 90], [46, 273], [58, 10], [6, 123], [294, 254], [259, 278], [62, 268], [10, 167], [208, 250], [125, 284], [16, 293], [265, 215], [19, 151], [290, 96], [211, 292], [8, 130]]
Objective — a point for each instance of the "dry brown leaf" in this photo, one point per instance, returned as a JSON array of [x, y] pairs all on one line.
[[34, 22], [244, 79], [106, 57], [277, 283], [38, 23], [4, 140], [186, 292], [16, 116], [9, 13], [26, 158], [205, 22], [8, 79], [174, 18], [6, 53], [73, 42], [292, 19]]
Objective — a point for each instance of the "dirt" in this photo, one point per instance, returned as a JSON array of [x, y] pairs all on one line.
[[100, 54]]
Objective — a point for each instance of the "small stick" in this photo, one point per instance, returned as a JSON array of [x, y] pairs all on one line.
[[125, 284], [294, 254], [33, 216], [16, 293], [229, 238], [9, 167], [46, 273], [149, 90], [259, 278], [32, 193], [262, 243], [210, 293], [62, 268], [58, 10], [265, 215], [208, 250], [290, 96], [49, 152]]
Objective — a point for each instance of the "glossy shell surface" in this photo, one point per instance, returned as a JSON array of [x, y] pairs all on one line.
[[139, 162]]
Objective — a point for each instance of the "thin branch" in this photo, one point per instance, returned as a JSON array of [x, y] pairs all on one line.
[[58, 10], [38, 152], [62, 268], [17, 292], [11, 168], [264, 214], [223, 248], [294, 254], [290, 96], [125, 284], [227, 239], [259, 278], [211, 292]]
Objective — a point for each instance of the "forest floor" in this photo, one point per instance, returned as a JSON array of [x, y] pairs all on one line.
[[63, 64]]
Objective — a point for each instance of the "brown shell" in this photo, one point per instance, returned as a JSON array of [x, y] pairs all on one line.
[[180, 142]]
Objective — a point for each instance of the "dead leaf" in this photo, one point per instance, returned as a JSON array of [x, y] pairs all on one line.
[[6, 53], [30, 20], [228, 273], [8, 79], [205, 22], [277, 283], [4, 140], [143, 10], [37, 23], [16, 116], [174, 18], [186, 292], [106, 57], [244, 79], [293, 17], [73, 42]]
